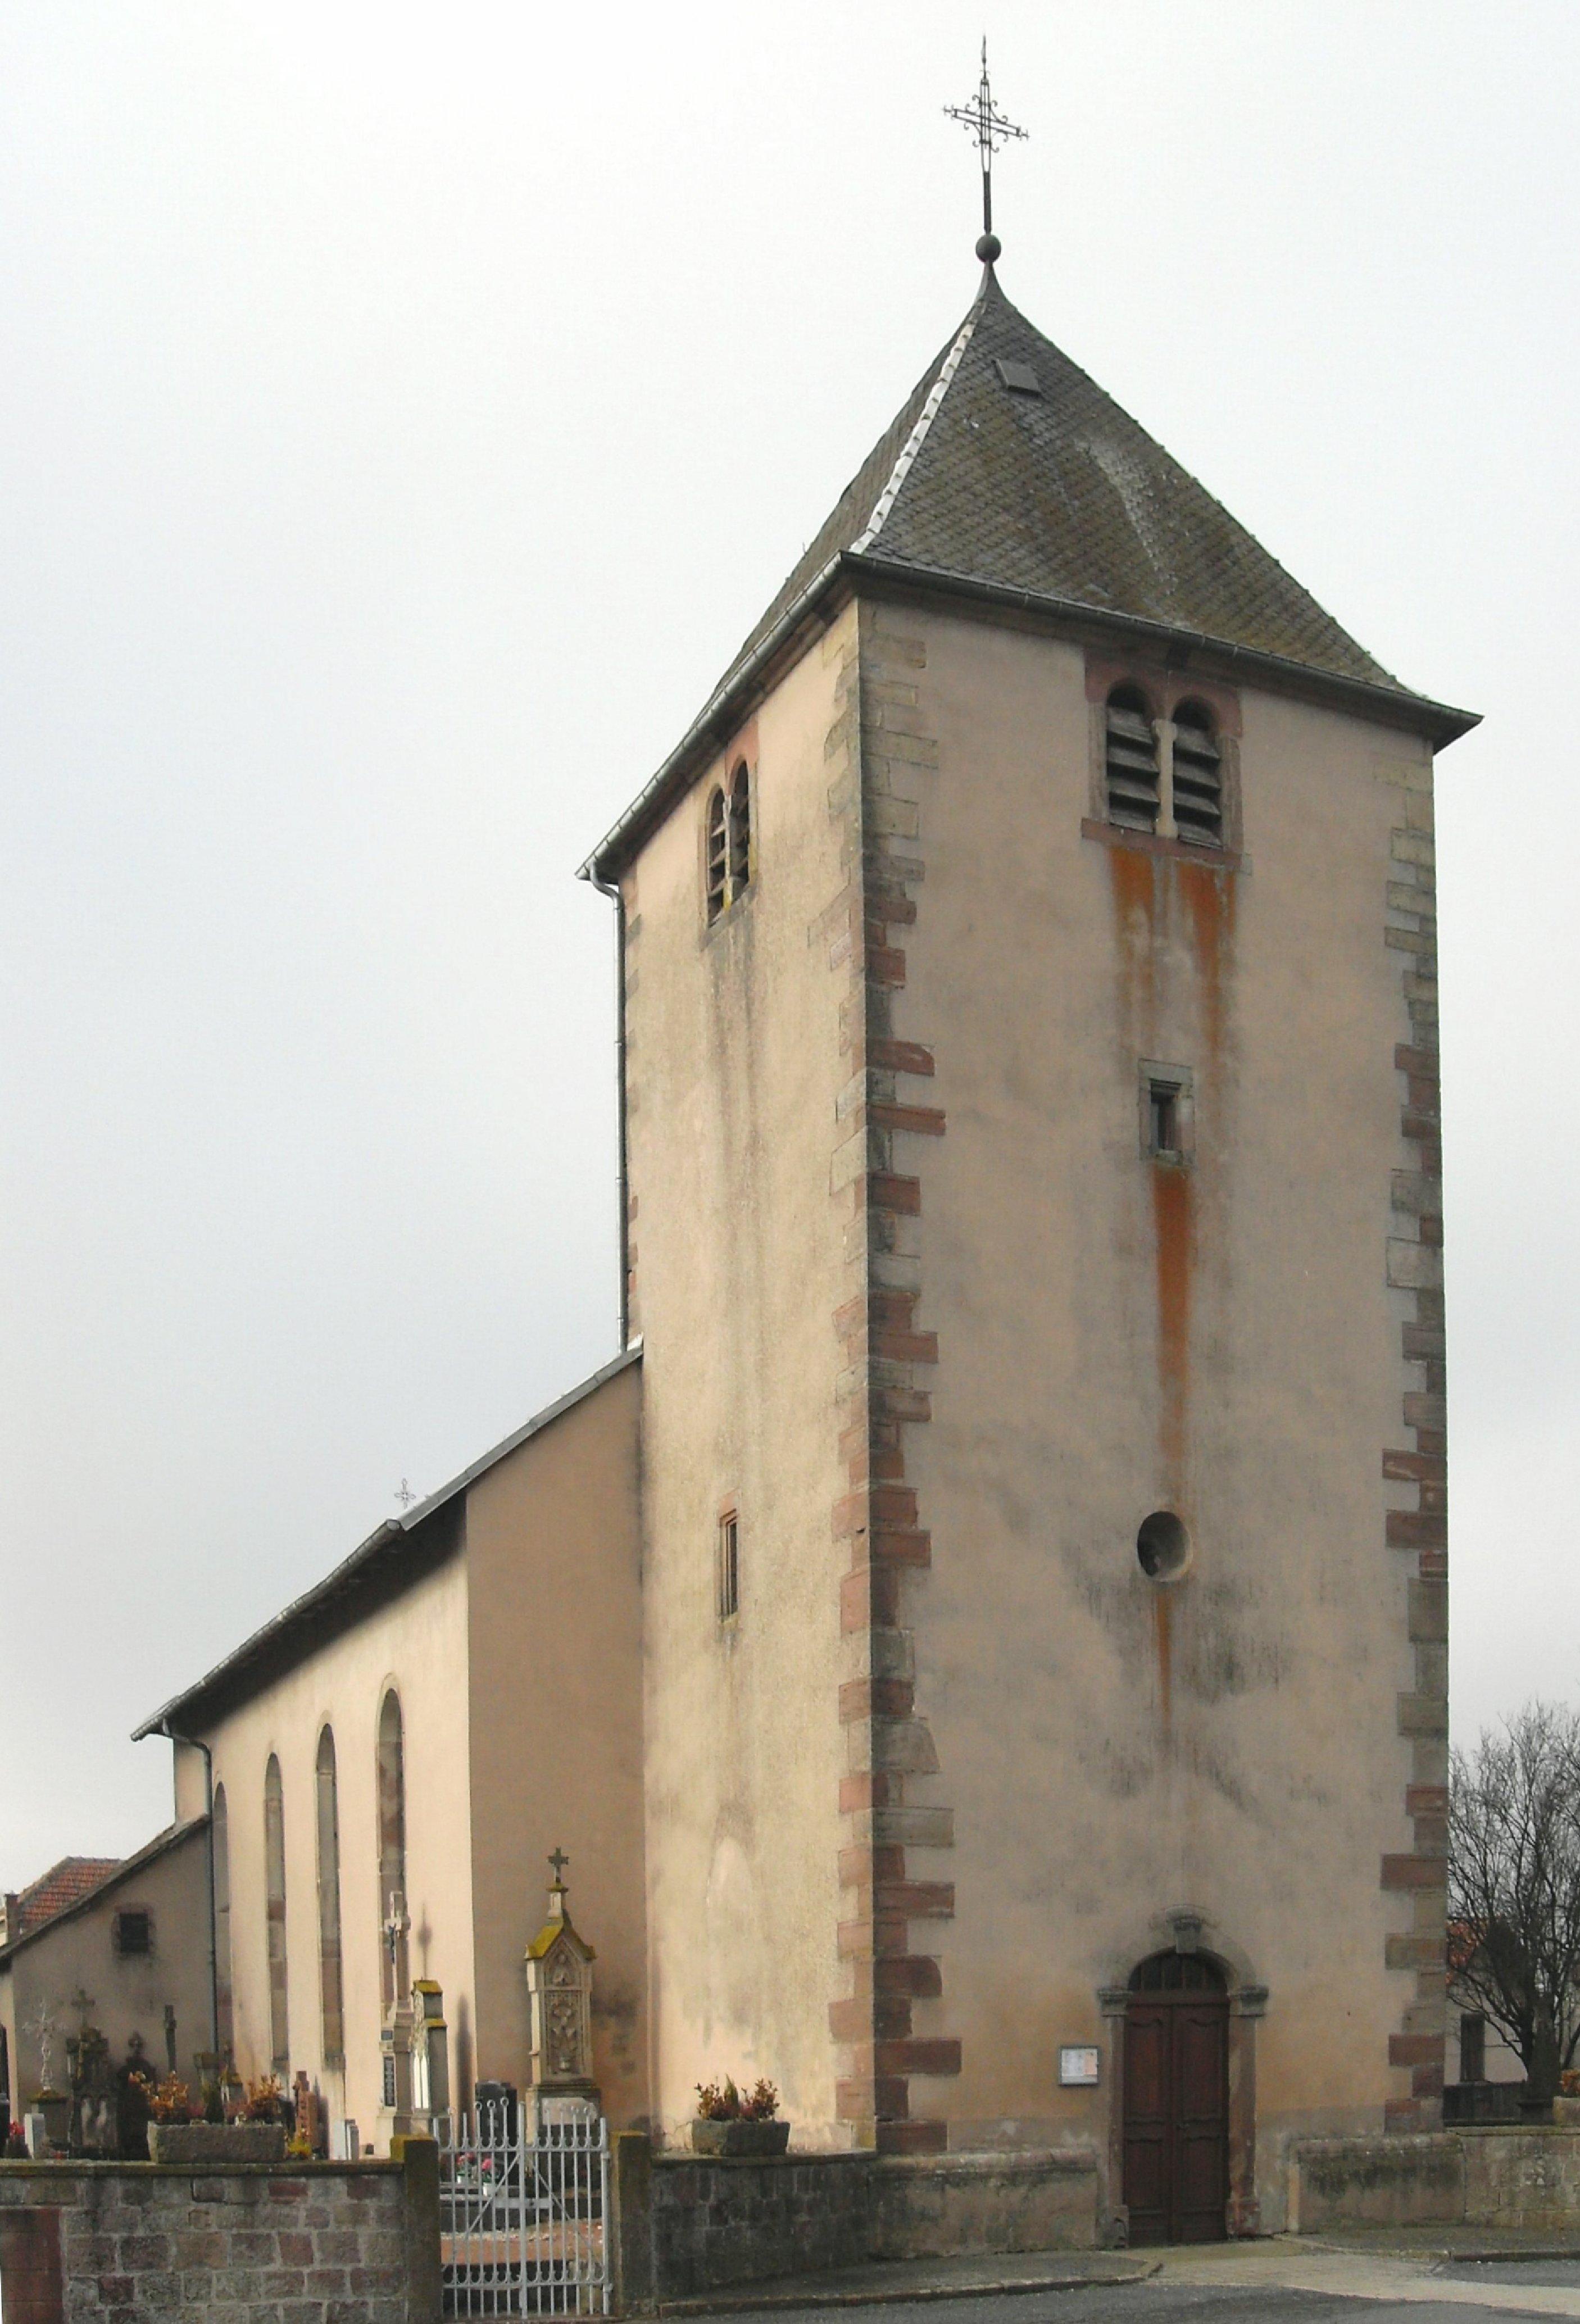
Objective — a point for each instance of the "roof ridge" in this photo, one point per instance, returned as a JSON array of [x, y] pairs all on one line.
[[918, 436]]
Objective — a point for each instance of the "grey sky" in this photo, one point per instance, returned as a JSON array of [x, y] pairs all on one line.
[[404, 410]]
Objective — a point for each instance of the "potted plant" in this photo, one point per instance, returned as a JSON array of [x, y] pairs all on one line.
[[257, 2135], [729, 2124]]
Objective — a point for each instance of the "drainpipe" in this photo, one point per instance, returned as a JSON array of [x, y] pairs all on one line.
[[618, 900], [165, 1728]]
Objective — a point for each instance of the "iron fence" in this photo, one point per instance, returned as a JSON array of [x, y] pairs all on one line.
[[522, 2219]]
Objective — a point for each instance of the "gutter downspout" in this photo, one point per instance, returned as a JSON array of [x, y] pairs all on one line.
[[166, 1730], [616, 896]]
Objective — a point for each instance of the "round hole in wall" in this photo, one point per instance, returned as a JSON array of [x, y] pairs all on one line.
[[1163, 1547]]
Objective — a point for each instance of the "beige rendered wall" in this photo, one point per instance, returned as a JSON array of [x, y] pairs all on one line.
[[1226, 1345], [555, 1619], [125, 1995], [418, 1644], [734, 1081]]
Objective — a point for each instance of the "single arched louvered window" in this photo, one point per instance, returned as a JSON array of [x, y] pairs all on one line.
[[740, 830], [718, 854], [1131, 762], [1198, 777]]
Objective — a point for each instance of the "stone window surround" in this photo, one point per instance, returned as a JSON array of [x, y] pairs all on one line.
[[1164, 690]]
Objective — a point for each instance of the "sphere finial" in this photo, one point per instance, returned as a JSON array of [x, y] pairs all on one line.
[[988, 248]]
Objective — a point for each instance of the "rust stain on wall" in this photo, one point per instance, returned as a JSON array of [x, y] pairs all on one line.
[[1209, 903], [1163, 1617], [1171, 1218], [1132, 884]]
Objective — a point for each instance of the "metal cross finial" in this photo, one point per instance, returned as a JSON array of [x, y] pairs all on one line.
[[405, 1494], [991, 129], [559, 1860]]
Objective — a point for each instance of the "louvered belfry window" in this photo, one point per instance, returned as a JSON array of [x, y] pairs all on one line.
[[740, 830], [1130, 764], [718, 854], [1198, 777], [729, 842]]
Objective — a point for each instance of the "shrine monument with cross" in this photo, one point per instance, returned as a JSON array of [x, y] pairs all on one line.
[[982, 1637]]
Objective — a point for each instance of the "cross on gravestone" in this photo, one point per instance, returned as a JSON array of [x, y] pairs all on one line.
[[43, 2026]]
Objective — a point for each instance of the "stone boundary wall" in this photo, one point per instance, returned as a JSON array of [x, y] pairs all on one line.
[[683, 2225], [1494, 2175], [310, 2243]]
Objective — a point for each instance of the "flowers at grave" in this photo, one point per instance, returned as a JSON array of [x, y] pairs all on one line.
[[263, 2099], [723, 2102], [15, 2145], [169, 2100]]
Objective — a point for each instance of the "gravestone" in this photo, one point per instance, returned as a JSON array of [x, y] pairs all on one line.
[[559, 1987]]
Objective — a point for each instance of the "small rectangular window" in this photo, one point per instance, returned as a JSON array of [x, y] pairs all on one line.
[[132, 1933], [727, 1567], [1473, 2047], [1167, 1116]]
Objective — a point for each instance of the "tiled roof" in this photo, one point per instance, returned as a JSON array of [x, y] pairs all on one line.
[[64, 1885], [77, 1881], [1062, 494], [1047, 493]]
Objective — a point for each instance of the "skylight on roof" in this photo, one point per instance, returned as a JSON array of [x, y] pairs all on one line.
[[1018, 377]]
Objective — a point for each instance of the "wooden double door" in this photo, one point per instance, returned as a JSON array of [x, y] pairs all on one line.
[[1176, 2102]]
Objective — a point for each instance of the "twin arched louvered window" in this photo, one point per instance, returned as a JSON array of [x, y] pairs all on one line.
[[729, 840], [1163, 776]]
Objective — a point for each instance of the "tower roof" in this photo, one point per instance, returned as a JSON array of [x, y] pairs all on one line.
[[1053, 488], [1009, 473]]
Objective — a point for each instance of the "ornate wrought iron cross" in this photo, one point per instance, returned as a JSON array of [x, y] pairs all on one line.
[[991, 129]]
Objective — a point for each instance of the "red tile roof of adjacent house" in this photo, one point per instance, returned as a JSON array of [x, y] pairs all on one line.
[[64, 1885]]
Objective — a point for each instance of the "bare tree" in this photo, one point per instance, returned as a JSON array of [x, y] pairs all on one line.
[[1514, 1885]]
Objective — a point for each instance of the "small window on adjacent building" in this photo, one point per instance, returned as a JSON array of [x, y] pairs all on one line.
[[1131, 762], [1473, 2047], [727, 1567], [132, 1933], [1198, 777]]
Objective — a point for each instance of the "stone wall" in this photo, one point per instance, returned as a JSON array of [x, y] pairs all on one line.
[[254, 2243], [1478, 2176], [684, 2225]]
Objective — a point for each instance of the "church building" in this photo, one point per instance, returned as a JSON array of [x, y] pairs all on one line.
[[981, 1641]]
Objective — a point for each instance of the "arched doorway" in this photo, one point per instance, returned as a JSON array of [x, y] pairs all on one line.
[[1176, 2100]]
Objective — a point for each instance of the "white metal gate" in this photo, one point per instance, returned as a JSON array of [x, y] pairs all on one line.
[[522, 2221]]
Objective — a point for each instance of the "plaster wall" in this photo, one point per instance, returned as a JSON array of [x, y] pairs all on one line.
[[1116, 1339], [733, 1080], [555, 1653], [126, 1994], [418, 1644]]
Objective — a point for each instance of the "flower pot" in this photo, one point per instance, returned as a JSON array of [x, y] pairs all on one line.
[[739, 2138], [216, 2142]]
